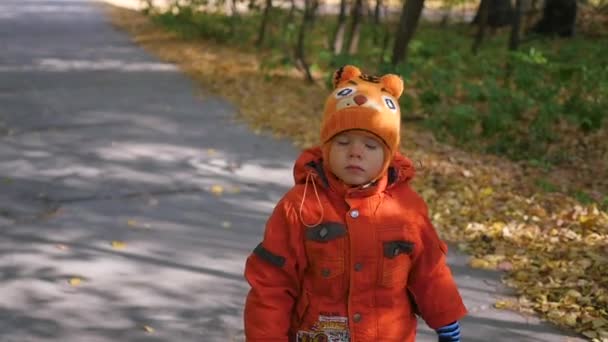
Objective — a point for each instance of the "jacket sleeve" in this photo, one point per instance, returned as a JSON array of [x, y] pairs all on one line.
[[273, 272], [431, 282]]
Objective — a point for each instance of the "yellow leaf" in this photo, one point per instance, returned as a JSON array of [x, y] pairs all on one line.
[[226, 224], [131, 223], [210, 151], [521, 276], [148, 329], [503, 304], [75, 281], [570, 319], [590, 333], [217, 190], [598, 322], [479, 263], [118, 244], [485, 192]]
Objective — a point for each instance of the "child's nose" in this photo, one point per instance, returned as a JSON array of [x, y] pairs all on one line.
[[356, 150], [360, 99]]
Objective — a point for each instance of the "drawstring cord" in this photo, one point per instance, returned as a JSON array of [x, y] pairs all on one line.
[[310, 176]]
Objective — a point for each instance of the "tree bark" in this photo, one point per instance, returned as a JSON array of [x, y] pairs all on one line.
[[355, 28], [292, 11], [481, 27], [515, 27], [410, 14], [514, 38], [265, 16], [338, 41], [559, 18], [445, 18], [310, 7], [499, 13], [377, 22]]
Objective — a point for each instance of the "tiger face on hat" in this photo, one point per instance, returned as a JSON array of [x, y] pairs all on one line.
[[363, 102]]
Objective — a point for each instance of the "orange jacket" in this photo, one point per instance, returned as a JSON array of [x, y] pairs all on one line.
[[341, 261]]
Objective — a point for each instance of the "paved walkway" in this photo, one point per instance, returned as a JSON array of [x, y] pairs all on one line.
[[101, 142]]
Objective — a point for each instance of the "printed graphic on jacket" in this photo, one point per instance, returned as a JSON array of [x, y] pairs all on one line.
[[326, 329]]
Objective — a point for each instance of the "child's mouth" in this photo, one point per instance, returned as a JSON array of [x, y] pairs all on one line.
[[354, 168]]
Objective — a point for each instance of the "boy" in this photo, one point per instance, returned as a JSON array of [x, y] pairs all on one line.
[[349, 253]]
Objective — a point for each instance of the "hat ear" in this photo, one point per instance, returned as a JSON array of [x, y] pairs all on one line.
[[345, 73], [393, 84]]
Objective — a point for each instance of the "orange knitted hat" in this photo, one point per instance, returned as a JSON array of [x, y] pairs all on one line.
[[367, 103]]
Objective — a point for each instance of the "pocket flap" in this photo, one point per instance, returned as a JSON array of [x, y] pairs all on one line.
[[394, 248], [326, 231]]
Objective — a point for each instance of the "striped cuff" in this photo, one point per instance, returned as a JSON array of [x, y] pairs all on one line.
[[449, 333]]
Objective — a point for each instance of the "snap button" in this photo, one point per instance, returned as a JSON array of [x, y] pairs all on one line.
[[325, 272], [358, 266], [357, 317], [323, 232], [354, 213]]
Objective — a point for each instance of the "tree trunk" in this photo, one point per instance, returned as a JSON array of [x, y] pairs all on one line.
[[514, 38], [338, 41], [310, 7], [265, 16], [559, 18], [445, 18], [515, 27], [355, 28], [528, 13], [377, 22], [481, 27], [292, 11], [410, 14], [499, 13], [377, 11]]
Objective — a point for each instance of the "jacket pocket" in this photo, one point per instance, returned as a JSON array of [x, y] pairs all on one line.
[[395, 266], [325, 252]]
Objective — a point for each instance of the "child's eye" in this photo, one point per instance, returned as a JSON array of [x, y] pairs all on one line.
[[389, 103], [342, 142], [345, 92], [371, 147]]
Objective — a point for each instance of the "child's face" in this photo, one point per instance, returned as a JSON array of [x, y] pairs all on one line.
[[356, 157]]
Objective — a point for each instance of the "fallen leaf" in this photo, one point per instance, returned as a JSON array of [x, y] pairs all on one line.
[[467, 173], [148, 329], [62, 247], [226, 224], [480, 263], [217, 190], [590, 334], [118, 244], [485, 192], [131, 223], [211, 152], [75, 281], [501, 304]]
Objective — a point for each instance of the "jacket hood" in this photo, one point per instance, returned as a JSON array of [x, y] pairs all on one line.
[[401, 169]]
